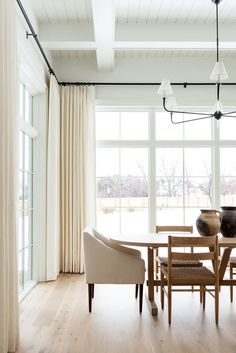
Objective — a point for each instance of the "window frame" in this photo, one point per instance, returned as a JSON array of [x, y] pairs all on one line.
[[214, 144], [29, 131]]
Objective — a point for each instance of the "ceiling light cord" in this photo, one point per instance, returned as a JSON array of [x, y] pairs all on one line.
[[217, 48], [217, 32]]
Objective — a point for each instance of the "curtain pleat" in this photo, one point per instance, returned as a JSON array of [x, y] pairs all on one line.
[[9, 328], [77, 188]]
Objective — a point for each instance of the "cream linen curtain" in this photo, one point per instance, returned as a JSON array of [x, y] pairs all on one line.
[[77, 172], [53, 180], [8, 178]]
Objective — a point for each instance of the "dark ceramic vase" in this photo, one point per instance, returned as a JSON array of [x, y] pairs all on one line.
[[228, 221], [208, 222]]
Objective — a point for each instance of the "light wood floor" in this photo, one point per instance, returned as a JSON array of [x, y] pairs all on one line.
[[54, 318]]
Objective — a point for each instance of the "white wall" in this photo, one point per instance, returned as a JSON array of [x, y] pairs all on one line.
[[150, 69], [33, 71]]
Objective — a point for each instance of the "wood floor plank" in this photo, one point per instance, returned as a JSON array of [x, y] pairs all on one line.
[[54, 318]]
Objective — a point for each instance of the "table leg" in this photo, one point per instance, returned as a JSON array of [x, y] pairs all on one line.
[[151, 302], [224, 262]]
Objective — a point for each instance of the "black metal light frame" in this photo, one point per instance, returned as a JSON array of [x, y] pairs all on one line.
[[217, 114]]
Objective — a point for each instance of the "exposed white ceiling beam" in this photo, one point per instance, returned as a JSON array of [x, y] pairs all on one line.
[[170, 45], [136, 32], [130, 36], [104, 32], [105, 55]]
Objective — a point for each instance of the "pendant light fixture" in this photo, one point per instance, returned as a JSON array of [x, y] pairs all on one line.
[[218, 75]]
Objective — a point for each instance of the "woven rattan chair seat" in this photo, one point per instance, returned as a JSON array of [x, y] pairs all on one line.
[[179, 263], [190, 274]]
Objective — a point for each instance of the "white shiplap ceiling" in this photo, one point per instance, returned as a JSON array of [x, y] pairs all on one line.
[[58, 11], [136, 11], [133, 28], [175, 11]]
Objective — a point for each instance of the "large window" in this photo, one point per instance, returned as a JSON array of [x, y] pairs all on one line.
[[26, 187], [152, 172], [122, 171], [122, 189], [184, 183]]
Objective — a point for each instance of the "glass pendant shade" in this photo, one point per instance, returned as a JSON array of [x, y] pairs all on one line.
[[219, 72], [165, 89]]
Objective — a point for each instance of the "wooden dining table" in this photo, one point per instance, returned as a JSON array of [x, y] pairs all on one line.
[[153, 241]]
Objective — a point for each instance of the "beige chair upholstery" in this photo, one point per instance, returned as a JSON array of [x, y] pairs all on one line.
[[108, 263]]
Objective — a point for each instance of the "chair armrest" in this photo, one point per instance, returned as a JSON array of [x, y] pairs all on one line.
[[112, 245]]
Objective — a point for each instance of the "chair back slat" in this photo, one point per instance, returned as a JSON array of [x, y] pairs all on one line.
[[187, 229], [174, 229], [192, 241], [211, 242], [192, 256]]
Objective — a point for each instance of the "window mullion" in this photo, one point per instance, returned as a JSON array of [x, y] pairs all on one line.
[[152, 171], [216, 166], [183, 183], [23, 212]]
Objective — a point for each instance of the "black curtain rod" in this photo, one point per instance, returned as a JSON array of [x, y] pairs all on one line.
[[185, 84], [51, 71], [33, 33]]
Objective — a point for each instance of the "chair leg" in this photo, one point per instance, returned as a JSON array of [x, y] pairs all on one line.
[[162, 291], [169, 304], [201, 290], [216, 304], [192, 287], [90, 290], [140, 298], [204, 297], [157, 278], [231, 287], [136, 291], [156, 266]]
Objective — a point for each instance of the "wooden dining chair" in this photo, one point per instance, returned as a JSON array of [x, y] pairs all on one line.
[[163, 261], [185, 276]]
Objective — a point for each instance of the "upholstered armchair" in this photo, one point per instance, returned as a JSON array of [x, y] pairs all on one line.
[[108, 263]]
